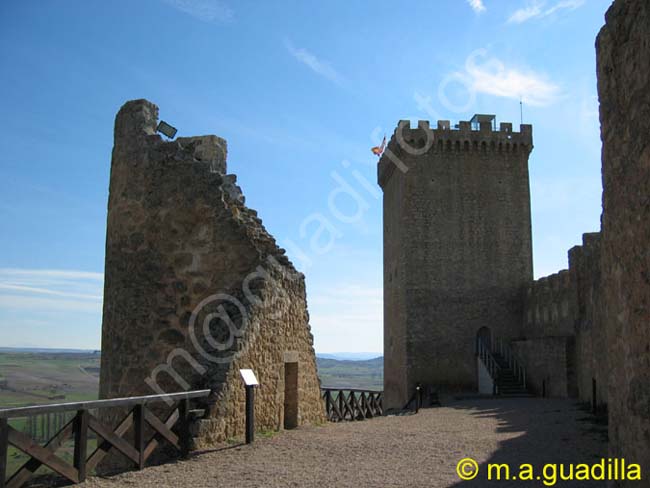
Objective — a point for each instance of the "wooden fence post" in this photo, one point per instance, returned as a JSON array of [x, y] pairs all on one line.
[[4, 444], [81, 443], [328, 404], [138, 424], [184, 426]]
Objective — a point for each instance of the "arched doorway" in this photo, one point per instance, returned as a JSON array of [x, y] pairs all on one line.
[[484, 362], [484, 335]]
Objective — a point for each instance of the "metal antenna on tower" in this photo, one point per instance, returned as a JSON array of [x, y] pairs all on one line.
[[521, 109]]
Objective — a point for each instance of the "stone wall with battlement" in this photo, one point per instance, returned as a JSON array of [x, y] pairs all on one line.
[[562, 343], [422, 139], [195, 286], [590, 336], [550, 306]]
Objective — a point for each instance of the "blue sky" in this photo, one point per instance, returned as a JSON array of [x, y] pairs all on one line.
[[301, 91]]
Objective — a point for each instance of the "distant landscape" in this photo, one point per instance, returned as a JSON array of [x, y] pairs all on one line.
[[31, 376], [366, 374]]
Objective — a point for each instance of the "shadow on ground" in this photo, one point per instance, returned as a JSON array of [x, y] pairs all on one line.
[[540, 432]]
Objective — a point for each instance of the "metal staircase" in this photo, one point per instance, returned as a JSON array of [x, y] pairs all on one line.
[[506, 371]]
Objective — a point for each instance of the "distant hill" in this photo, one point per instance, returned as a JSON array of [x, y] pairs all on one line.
[[335, 373], [349, 356], [46, 350], [36, 375]]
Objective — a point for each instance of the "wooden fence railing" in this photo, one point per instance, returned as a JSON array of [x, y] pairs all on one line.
[[139, 418], [351, 404]]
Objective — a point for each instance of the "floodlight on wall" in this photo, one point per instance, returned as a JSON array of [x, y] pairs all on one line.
[[166, 129]]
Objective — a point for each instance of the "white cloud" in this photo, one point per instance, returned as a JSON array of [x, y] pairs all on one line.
[[539, 9], [525, 13], [493, 77], [45, 291], [205, 10], [37, 288], [33, 303], [347, 317], [349, 294], [50, 273], [318, 66], [477, 5], [50, 308]]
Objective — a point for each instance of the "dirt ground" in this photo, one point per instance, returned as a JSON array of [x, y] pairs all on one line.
[[401, 451]]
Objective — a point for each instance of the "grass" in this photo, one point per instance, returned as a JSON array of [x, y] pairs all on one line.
[[266, 433]]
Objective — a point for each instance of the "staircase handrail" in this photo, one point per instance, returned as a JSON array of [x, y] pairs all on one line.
[[485, 355], [498, 345]]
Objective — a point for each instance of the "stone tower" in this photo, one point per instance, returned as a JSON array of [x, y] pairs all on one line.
[[457, 248], [196, 288]]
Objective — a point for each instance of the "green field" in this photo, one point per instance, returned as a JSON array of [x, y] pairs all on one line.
[[32, 378]]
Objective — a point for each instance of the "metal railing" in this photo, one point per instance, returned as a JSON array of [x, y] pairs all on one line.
[[139, 418], [500, 347], [485, 355], [352, 404]]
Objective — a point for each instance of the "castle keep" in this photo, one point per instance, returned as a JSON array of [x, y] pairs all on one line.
[[457, 248], [457, 257], [196, 288]]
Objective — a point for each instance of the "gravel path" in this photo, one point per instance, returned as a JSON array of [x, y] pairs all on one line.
[[407, 451]]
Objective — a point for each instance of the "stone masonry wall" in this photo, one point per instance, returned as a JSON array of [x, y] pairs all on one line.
[[550, 306], [623, 48], [546, 346], [277, 336], [396, 387], [195, 287], [457, 243], [547, 362], [591, 342], [562, 344]]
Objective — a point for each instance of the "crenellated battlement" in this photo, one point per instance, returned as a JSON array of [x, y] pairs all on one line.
[[463, 132], [476, 136]]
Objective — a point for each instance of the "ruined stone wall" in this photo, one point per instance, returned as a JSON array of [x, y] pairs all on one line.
[[623, 48], [195, 287], [463, 228], [277, 336]]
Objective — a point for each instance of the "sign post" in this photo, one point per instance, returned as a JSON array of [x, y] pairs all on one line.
[[251, 382]]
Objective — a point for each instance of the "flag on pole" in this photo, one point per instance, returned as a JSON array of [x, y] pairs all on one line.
[[379, 150]]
